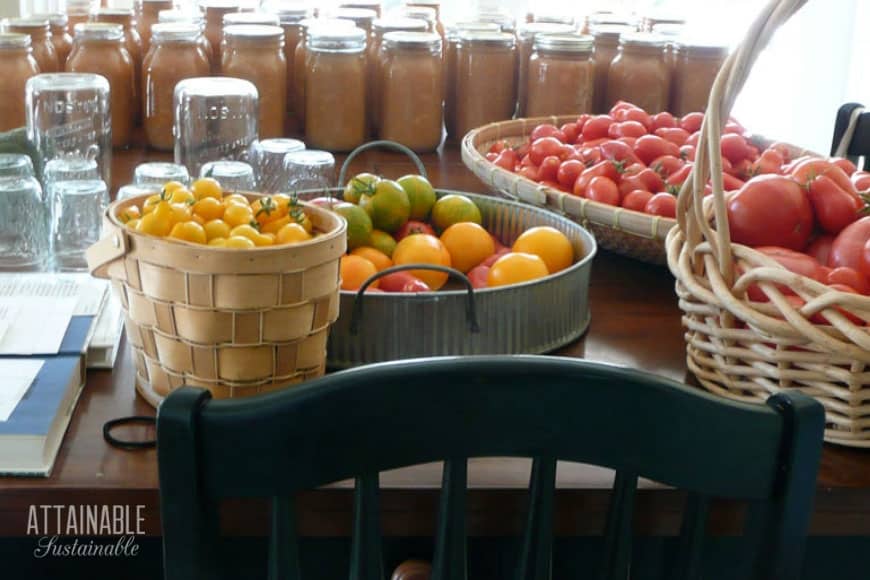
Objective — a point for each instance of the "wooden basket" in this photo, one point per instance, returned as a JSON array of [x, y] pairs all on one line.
[[749, 350], [237, 322], [631, 233]]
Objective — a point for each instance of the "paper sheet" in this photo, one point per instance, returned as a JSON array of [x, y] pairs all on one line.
[[16, 376], [35, 312]]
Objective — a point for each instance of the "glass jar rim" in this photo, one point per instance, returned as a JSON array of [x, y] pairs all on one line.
[[307, 23], [642, 39], [279, 145], [229, 168], [18, 183], [309, 157], [14, 40], [68, 81], [290, 12], [405, 39], [175, 15], [488, 38], [398, 23], [15, 160], [331, 38], [575, 43], [453, 28], [355, 15], [29, 22], [79, 185], [254, 32], [532, 29], [175, 32], [251, 18], [99, 31], [54, 18], [116, 12], [216, 87]]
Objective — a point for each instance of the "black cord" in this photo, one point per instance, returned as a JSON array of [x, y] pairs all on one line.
[[129, 445]]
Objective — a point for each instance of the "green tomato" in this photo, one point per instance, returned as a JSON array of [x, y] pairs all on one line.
[[388, 205], [421, 194], [358, 185]]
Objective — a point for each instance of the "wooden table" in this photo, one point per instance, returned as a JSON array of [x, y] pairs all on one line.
[[635, 322]]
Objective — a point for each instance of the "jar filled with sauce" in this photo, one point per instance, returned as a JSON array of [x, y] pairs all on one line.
[[434, 5], [411, 89], [606, 47], [99, 49], [505, 21], [639, 74], [256, 53], [290, 16], [179, 16], [78, 12], [374, 5], [60, 37], [380, 27], [561, 75], [525, 39], [450, 42], [697, 65], [214, 11], [132, 43], [425, 14], [39, 31], [360, 17], [486, 92], [176, 54], [16, 66], [335, 88], [148, 16]]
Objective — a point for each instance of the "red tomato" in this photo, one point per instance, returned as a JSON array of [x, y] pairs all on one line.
[[742, 169], [783, 149], [478, 276], [568, 173], [618, 151], [603, 190], [771, 210], [626, 129], [590, 155], [552, 185], [395, 281], [602, 169], [415, 285], [692, 122], [679, 177], [544, 147], [848, 247], [630, 183], [581, 120], [733, 126], [595, 142], [847, 166], [693, 139], [675, 135], [850, 277], [633, 169], [549, 168], [651, 147], [547, 130], [790, 165], [687, 152], [499, 252], [651, 179], [507, 159], [526, 161], [663, 204], [820, 248], [663, 120], [491, 157], [666, 165], [861, 180], [771, 161], [635, 114], [523, 150], [571, 131], [792, 261], [620, 105], [596, 127], [499, 146], [834, 207], [529, 172], [731, 183], [636, 200], [804, 172], [735, 148], [630, 141]]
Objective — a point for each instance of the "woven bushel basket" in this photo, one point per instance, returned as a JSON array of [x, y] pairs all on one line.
[[624, 231], [748, 350], [236, 322]]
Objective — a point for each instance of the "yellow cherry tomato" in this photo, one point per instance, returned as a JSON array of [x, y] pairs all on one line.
[[265, 210], [292, 233], [218, 242], [182, 195], [133, 224], [180, 213], [250, 232], [210, 208], [150, 202], [207, 187], [274, 226], [236, 198], [239, 242], [198, 219], [237, 214], [129, 213], [158, 222], [169, 187], [282, 200], [216, 229], [189, 232]]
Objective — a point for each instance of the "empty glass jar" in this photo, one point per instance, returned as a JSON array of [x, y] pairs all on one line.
[[69, 169], [309, 170], [15, 165], [77, 209], [267, 158], [24, 240], [158, 174], [232, 175], [17, 65]]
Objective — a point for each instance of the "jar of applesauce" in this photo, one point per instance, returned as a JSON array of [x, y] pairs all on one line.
[[433, 5], [132, 43], [180, 16], [148, 16], [16, 66], [60, 36], [335, 88], [486, 64], [360, 17], [606, 47], [291, 15], [697, 65], [99, 49], [525, 39], [423, 13], [380, 27], [176, 54], [561, 75], [365, 5], [639, 74], [411, 89], [78, 12], [255, 53], [450, 41], [215, 10], [39, 31]]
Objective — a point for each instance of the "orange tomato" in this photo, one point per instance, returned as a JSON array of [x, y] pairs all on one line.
[[265, 210], [236, 198], [469, 245], [209, 208], [274, 226], [355, 270], [189, 232], [292, 234], [514, 268], [376, 257], [423, 249], [250, 232], [129, 213], [549, 244]]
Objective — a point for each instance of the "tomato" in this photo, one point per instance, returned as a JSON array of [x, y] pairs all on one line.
[[630, 183], [395, 281], [596, 127], [590, 156], [687, 152], [783, 149], [770, 161], [850, 277], [618, 151], [547, 130], [499, 146], [620, 105], [626, 129], [478, 275], [675, 135], [663, 120], [630, 141], [544, 147], [633, 169], [792, 261], [681, 175], [651, 179], [730, 183], [771, 210], [634, 114], [571, 131], [733, 126], [693, 139], [848, 247], [742, 169], [411, 227], [651, 147], [847, 166], [663, 204], [804, 172], [735, 147], [491, 157], [636, 200], [790, 165], [529, 172], [666, 165], [861, 180], [552, 184], [834, 207], [549, 168], [820, 248], [603, 190], [692, 122], [507, 159], [568, 173], [602, 169]]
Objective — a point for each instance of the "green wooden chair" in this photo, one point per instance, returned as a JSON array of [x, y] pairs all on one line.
[[345, 425]]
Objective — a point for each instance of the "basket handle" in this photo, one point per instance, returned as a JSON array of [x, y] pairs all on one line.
[[470, 306], [108, 250], [342, 175]]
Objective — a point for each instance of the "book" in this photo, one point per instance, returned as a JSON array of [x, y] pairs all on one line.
[[106, 339]]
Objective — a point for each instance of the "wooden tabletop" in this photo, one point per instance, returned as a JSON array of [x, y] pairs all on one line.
[[635, 322]]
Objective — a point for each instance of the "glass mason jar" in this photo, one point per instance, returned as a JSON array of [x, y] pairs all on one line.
[[526, 34], [425, 14], [40, 41], [68, 116], [434, 5], [15, 165], [505, 21], [60, 37], [450, 41], [157, 174], [24, 239], [374, 5], [181, 17], [360, 17], [77, 209], [215, 118], [561, 79], [335, 88], [291, 15], [232, 175], [697, 65], [309, 170], [133, 44], [176, 54], [380, 27], [215, 10], [412, 89], [605, 50], [256, 53], [639, 74], [147, 14], [485, 79], [267, 159], [17, 65], [78, 12], [99, 49]]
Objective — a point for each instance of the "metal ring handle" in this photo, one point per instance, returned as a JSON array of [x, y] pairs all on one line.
[[470, 307], [342, 175]]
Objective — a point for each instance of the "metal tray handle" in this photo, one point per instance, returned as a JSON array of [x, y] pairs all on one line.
[[470, 308], [342, 175]]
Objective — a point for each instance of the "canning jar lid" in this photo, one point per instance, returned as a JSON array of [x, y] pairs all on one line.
[[122, 13], [356, 15], [307, 23], [176, 15], [99, 31], [529, 30], [30, 23], [553, 18], [609, 31], [254, 32], [55, 18], [67, 81], [405, 39], [290, 12], [455, 27], [645, 39], [309, 157], [506, 22], [399, 23], [487, 38], [175, 32], [574, 43], [420, 13], [14, 40], [251, 18], [336, 39]]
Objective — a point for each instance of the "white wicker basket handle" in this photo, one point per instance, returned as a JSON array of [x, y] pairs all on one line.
[[111, 248]]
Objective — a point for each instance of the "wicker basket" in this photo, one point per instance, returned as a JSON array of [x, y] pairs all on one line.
[[631, 233], [237, 322], [749, 350]]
